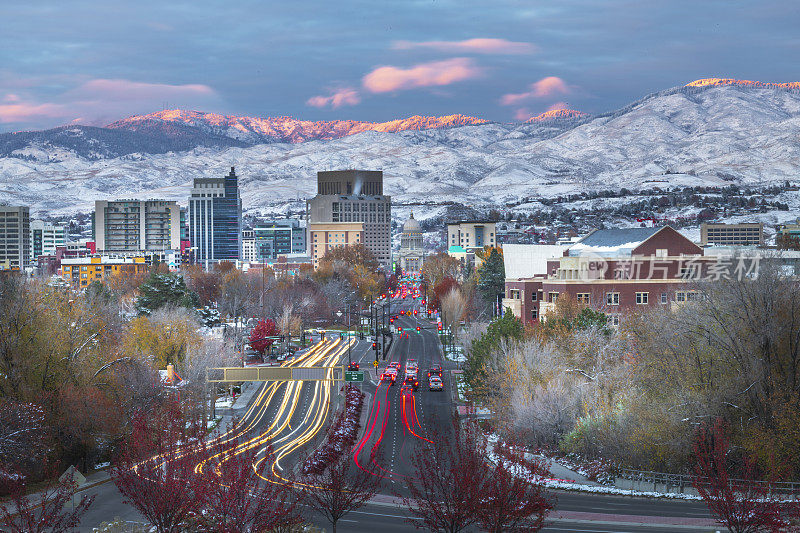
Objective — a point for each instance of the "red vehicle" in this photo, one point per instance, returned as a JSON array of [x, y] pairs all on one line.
[[390, 374]]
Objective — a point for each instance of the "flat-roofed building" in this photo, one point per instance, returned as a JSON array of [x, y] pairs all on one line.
[[215, 219], [80, 272], [355, 196], [137, 225], [323, 237], [744, 234], [15, 237], [45, 238]]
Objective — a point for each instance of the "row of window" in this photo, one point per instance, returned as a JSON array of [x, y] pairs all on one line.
[[612, 298]]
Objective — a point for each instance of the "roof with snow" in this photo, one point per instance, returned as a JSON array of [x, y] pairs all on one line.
[[529, 260], [613, 242]]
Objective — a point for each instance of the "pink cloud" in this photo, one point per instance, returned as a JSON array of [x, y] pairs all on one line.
[[346, 96], [522, 114], [477, 46], [13, 109], [136, 90], [436, 73], [545, 87]]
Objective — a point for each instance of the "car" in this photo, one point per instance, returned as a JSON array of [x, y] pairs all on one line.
[[435, 370], [435, 383], [412, 365], [390, 374], [411, 382], [412, 372], [395, 364], [353, 366]]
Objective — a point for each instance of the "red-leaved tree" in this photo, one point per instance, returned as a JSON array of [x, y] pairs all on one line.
[[743, 505], [258, 337], [441, 290], [514, 499], [341, 488], [48, 511], [155, 470], [22, 441], [448, 479], [237, 500]]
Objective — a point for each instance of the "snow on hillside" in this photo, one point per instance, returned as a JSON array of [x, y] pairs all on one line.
[[716, 133]]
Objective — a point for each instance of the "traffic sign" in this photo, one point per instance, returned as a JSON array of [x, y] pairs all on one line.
[[72, 476], [354, 376], [375, 363]]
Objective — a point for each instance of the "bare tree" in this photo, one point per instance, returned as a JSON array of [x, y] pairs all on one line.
[[341, 488], [453, 307], [448, 480]]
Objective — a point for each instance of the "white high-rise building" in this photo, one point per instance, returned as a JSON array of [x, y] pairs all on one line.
[[15, 237], [45, 237], [137, 225]]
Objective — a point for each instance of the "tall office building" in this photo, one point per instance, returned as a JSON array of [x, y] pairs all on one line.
[[347, 197], [15, 237], [215, 219], [45, 237], [137, 225]]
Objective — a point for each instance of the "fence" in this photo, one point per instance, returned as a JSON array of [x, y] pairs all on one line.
[[642, 480]]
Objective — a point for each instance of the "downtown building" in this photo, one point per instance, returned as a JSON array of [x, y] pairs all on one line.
[[215, 219], [46, 238], [350, 208], [134, 226], [268, 240], [15, 238], [612, 270]]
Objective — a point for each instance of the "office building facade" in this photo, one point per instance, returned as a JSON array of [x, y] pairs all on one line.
[[745, 234], [353, 197], [215, 219], [324, 237], [15, 237], [137, 225], [45, 238]]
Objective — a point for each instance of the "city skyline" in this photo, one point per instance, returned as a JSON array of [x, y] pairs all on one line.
[[374, 63]]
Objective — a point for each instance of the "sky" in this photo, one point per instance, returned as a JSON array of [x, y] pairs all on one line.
[[93, 62]]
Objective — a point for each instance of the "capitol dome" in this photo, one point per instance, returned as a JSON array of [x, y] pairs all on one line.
[[411, 225]]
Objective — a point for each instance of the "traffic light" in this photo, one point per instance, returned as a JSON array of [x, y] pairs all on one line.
[[418, 328], [415, 311], [374, 345], [439, 325]]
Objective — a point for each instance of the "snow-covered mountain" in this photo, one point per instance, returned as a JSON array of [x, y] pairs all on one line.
[[710, 132]]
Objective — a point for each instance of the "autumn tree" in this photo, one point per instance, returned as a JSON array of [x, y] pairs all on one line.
[[744, 505], [259, 340], [342, 487], [507, 327], [448, 481], [513, 499], [154, 470], [442, 288], [162, 337], [206, 284], [236, 498], [439, 266], [48, 511], [22, 440]]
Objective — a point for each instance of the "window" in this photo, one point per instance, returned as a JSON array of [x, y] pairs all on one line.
[[680, 296], [552, 297], [664, 297], [613, 320], [661, 252], [583, 297], [534, 296], [612, 298], [641, 298], [513, 294], [534, 313]]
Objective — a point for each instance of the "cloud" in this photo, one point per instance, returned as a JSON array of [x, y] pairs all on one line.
[[476, 46], [558, 105], [14, 110], [136, 90], [543, 88], [436, 73], [100, 101], [522, 114], [340, 97]]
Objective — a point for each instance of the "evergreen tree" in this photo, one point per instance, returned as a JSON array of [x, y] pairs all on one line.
[[492, 276], [164, 289]]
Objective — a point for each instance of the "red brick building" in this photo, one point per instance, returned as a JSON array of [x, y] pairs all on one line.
[[616, 270]]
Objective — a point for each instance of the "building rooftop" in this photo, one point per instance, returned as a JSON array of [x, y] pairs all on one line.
[[529, 260], [614, 241]]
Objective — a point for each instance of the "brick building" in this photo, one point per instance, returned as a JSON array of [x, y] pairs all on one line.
[[614, 270]]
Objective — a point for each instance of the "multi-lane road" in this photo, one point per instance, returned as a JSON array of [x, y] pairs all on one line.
[[293, 416]]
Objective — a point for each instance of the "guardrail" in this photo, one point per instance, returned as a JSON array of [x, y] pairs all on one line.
[[663, 482]]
